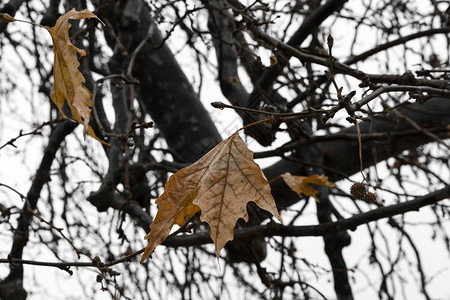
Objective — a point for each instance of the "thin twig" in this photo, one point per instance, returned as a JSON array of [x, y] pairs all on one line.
[[151, 27], [125, 79], [398, 88], [282, 116], [78, 251], [14, 190], [34, 132], [416, 126]]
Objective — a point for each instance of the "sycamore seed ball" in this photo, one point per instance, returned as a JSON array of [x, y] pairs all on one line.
[[358, 190]]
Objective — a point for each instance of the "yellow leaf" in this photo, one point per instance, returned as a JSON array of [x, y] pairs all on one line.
[[300, 184], [69, 82], [220, 184]]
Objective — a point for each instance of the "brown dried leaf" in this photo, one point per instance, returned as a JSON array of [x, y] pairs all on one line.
[[69, 82], [173, 209], [300, 184], [220, 184]]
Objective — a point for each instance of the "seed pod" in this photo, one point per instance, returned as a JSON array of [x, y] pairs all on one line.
[[370, 197], [358, 190]]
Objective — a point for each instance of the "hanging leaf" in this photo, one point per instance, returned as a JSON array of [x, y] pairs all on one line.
[[171, 210], [219, 185], [301, 185], [68, 80]]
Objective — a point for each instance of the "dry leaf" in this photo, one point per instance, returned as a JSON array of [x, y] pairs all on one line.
[[173, 209], [300, 184], [219, 185], [69, 82]]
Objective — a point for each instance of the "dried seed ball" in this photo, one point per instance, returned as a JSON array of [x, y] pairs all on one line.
[[370, 197], [358, 190]]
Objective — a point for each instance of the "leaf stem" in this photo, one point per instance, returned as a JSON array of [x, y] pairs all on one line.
[[270, 119], [29, 22], [360, 150]]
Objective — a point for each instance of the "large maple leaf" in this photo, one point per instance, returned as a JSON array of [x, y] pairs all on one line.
[[219, 186], [68, 80]]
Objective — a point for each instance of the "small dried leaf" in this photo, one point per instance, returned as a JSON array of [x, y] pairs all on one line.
[[300, 184], [220, 184], [68, 80]]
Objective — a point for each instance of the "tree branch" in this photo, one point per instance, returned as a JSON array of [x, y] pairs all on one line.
[[400, 41], [275, 229], [12, 285], [342, 155]]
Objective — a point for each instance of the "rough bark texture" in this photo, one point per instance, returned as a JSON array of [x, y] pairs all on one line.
[[164, 91]]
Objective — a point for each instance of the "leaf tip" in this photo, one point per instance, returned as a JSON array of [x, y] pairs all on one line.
[[91, 132], [145, 256], [147, 253]]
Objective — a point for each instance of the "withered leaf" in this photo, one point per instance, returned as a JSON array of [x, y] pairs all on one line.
[[301, 185], [173, 208], [68, 80], [219, 185]]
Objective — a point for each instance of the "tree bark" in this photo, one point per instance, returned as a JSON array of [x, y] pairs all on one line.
[[164, 91]]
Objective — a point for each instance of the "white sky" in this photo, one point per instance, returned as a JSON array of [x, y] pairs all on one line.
[[16, 170]]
